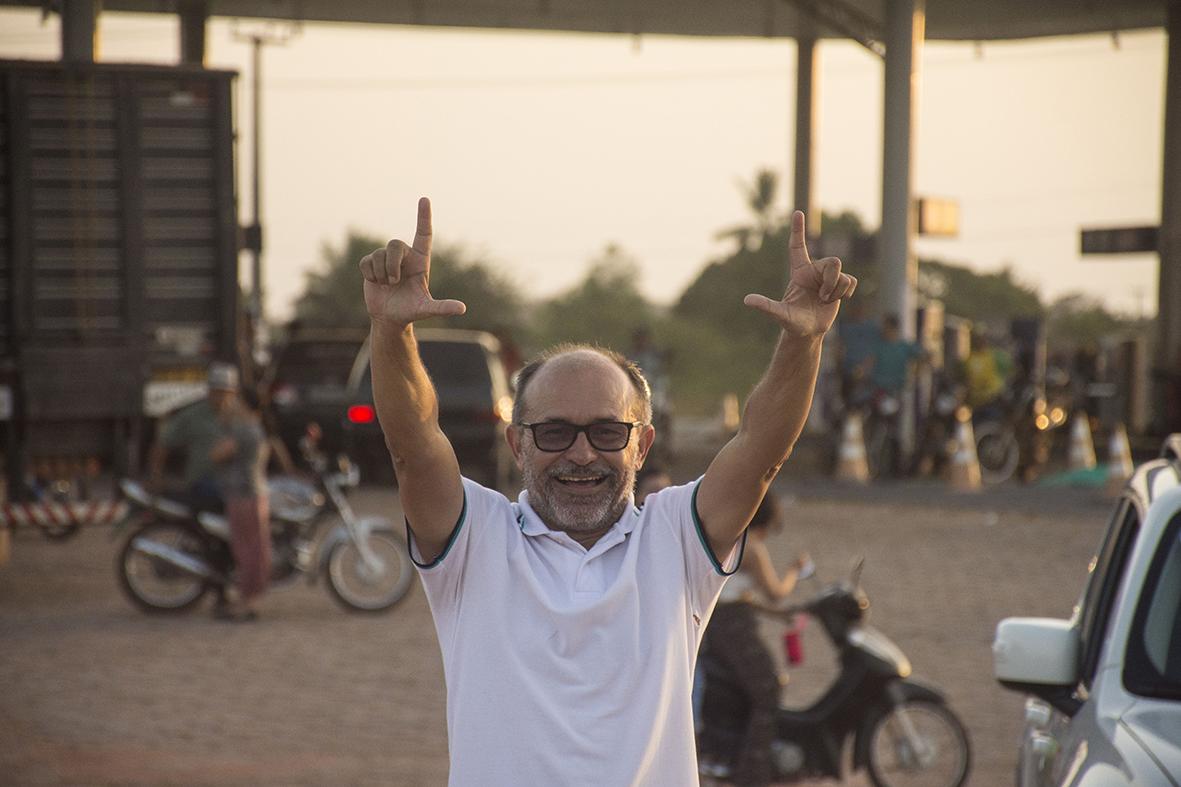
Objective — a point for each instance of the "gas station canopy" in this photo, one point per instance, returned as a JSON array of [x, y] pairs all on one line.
[[964, 20]]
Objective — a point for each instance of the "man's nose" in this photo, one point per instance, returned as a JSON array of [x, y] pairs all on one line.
[[582, 452]]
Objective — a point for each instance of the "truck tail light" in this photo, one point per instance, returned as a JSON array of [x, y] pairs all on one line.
[[361, 414]]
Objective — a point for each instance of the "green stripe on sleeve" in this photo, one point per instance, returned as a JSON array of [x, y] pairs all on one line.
[[717, 564]]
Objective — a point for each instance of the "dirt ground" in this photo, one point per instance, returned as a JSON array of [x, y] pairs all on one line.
[[92, 692]]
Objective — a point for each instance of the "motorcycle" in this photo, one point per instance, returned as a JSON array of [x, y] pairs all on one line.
[[903, 732], [883, 444], [935, 441], [1014, 436], [174, 555]]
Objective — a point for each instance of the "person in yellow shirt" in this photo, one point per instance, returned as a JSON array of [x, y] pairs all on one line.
[[986, 372]]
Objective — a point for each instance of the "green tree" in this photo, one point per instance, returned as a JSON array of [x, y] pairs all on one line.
[[1076, 319], [331, 295], [978, 296], [332, 292], [760, 196], [605, 308]]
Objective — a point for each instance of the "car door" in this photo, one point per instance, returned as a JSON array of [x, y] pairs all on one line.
[[1077, 740]]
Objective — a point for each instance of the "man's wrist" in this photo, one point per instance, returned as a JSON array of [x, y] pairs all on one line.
[[389, 326]]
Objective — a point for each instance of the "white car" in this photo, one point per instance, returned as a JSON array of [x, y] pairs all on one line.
[[1106, 684]]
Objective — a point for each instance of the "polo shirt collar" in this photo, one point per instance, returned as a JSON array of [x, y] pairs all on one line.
[[531, 524]]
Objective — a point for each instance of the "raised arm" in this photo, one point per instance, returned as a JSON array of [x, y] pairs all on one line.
[[397, 293], [778, 406]]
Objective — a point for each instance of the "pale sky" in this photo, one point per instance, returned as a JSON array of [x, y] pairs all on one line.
[[540, 149]]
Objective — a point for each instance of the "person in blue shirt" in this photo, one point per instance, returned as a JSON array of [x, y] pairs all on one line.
[[893, 358]]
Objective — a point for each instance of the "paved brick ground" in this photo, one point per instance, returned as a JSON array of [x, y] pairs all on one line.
[[92, 692]]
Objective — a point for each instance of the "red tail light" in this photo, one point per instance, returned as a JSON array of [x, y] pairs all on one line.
[[361, 414]]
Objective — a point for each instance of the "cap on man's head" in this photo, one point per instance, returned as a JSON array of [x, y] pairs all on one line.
[[223, 377]]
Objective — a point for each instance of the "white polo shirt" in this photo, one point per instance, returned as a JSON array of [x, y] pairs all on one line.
[[567, 666]]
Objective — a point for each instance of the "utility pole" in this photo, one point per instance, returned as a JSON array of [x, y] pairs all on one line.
[[252, 232]]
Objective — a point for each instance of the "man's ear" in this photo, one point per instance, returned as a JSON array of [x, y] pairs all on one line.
[[512, 435], [647, 438]]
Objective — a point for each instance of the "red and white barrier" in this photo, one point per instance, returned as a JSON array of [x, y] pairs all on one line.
[[95, 512]]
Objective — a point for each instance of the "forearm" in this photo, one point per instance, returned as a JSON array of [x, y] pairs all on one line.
[[786, 584], [405, 399], [774, 416], [408, 409], [777, 408]]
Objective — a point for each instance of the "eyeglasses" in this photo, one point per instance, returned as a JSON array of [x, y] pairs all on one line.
[[555, 436]]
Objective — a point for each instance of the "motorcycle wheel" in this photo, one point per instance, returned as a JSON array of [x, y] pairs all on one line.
[[918, 743], [154, 585], [358, 589], [998, 453], [881, 451]]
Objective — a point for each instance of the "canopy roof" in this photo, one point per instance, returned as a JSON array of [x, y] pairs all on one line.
[[973, 20]]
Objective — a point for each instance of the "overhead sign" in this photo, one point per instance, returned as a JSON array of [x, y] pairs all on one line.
[[1119, 240], [938, 217]]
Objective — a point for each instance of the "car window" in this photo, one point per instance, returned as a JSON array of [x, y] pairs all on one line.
[[1153, 664], [1107, 572], [316, 363], [455, 363], [452, 366]]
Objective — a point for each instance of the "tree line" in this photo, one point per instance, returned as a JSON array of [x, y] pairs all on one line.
[[713, 344]]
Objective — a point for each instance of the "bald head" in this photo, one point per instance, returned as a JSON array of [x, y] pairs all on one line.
[[573, 361]]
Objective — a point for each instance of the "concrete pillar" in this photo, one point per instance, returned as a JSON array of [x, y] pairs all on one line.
[[805, 153], [1167, 360], [193, 14], [904, 32], [79, 26]]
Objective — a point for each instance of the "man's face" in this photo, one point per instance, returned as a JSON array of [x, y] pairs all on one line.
[[221, 400], [581, 489]]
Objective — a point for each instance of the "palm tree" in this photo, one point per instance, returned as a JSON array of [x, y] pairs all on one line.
[[760, 198]]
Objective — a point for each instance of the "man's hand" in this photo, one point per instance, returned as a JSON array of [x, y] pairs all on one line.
[[814, 290], [397, 279]]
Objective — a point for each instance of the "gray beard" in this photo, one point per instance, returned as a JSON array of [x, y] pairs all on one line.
[[584, 514]]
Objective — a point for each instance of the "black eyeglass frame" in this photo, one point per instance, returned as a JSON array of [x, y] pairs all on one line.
[[582, 429]]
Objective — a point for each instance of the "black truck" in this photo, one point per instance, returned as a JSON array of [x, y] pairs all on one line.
[[118, 259]]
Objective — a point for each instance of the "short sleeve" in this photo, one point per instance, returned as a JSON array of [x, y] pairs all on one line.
[[705, 572], [174, 431], [442, 577]]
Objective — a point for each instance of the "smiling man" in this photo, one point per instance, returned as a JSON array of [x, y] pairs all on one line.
[[569, 620]]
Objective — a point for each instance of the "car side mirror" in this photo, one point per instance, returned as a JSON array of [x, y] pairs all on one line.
[[1039, 656]]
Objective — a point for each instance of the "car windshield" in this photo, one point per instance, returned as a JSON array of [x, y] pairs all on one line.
[[453, 367], [1154, 657], [320, 363]]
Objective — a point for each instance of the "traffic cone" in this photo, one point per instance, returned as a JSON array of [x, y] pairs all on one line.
[[1119, 460], [851, 461], [1082, 449], [964, 472]]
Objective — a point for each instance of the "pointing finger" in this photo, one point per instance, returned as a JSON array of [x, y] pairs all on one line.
[[797, 247], [422, 235]]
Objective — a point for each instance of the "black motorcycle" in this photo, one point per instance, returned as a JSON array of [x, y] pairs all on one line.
[[883, 435], [174, 555], [1014, 435], [903, 732], [935, 440]]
